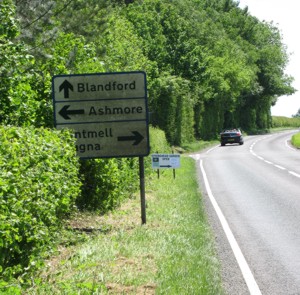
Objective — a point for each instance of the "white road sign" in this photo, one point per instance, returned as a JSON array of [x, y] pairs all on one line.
[[161, 161], [107, 111]]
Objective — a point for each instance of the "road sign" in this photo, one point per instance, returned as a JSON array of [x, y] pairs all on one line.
[[107, 111], [161, 161], [67, 112], [99, 86]]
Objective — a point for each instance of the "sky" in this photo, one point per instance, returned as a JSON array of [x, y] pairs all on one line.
[[286, 17]]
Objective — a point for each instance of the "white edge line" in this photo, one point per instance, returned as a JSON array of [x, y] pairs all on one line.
[[289, 146], [247, 274], [295, 174], [271, 163], [280, 167], [211, 149]]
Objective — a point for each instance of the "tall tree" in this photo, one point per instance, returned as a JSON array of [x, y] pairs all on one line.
[[18, 100]]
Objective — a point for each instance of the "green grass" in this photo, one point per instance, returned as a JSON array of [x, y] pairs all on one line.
[[172, 254], [199, 145], [296, 140]]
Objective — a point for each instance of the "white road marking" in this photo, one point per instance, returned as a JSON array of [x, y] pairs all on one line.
[[269, 162], [280, 167], [247, 274], [212, 149], [288, 146], [294, 173]]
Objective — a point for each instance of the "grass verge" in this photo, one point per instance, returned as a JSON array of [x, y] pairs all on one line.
[[296, 140], [172, 254], [199, 145]]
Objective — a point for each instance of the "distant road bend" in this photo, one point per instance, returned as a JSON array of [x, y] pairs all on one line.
[[252, 196]]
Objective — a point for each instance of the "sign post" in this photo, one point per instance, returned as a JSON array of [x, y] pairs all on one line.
[[108, 113], [142, 189]]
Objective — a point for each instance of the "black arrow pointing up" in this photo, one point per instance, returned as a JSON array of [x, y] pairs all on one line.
[[66, 86], [137, 137], [65, 112]]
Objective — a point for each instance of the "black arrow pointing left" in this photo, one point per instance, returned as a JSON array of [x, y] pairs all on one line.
[[65, 112], [137, 137]]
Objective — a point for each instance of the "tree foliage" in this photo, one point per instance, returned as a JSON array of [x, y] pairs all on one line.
[[219, 65], [234, 63]]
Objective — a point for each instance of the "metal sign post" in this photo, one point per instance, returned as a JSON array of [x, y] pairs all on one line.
[[142, 189]]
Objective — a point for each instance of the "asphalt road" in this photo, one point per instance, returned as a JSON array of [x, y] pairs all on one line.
[[256, 186]]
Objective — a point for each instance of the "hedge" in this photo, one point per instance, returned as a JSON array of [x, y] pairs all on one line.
[[296, 140], [280, 121], [38, 187], [41, 182], [107, 182]]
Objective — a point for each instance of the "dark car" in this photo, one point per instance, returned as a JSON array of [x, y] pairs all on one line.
[[231, 136]]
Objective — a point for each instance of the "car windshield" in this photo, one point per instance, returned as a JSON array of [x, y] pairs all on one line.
[[231, 130]]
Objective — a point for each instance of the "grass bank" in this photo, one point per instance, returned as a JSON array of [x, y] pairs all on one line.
[[199, 145], [172, 254], [296, 140]]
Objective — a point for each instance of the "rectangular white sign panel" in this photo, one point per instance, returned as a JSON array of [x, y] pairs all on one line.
[[108, 113], [161, 161]]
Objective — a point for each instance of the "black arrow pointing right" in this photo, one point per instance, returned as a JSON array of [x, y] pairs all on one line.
[[66, 86], [137, 137], [65, 112]]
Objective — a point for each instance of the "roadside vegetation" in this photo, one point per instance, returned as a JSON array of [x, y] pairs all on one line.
[[196, 146], [285, 122], [296, 140], [280, 123], [172, 254]]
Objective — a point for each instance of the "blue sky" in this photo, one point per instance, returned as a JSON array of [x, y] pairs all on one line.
[[286, 16]]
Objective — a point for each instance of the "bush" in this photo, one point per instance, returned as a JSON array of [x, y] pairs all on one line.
[[158, 141], [106, 182], [296, 140], [39, 184], [38, 187], [280, 121]]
